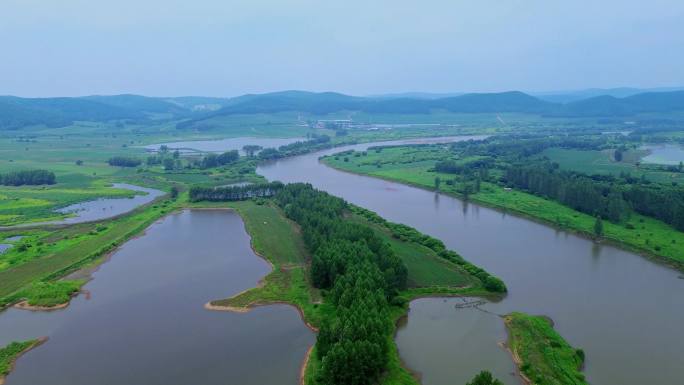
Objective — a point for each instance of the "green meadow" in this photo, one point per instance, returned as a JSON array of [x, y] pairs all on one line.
[[414, 166], [542, 355]]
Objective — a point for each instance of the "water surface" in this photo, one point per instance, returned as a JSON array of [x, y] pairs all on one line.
[[670, 154], [144, 322], [625, 311], [103, 208]]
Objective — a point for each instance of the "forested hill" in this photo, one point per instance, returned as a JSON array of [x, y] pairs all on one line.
[[18, 112], [513, 101]]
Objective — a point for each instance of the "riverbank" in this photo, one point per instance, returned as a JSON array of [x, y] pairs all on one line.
[[11, 353], [646, 236], [541, 354], [69, 249], [278, 240]]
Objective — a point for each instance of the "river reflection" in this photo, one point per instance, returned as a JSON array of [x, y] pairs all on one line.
[[144, 321]]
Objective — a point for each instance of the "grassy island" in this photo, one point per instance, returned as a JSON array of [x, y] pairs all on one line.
[[542, 355], [314, 269]]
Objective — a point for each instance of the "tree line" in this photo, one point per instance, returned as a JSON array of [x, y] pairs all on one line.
[[122, 161], [234, 193], [27, 177], [604, 196], [316, 142], [362, 275]]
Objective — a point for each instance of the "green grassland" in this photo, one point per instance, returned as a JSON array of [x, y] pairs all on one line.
[[542, 355], [602, 162], [51, 294], [413, 166], [425, 267]]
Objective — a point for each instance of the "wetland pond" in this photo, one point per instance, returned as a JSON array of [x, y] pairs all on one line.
[[101, 208], [104, 208], [670, 154], [143, 321], [625, 311]]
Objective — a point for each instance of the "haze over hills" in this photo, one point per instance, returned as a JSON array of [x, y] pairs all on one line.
[[619, 92], [16, 112]]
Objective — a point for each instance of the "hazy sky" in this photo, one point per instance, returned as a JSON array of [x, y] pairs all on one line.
[[226, 48]]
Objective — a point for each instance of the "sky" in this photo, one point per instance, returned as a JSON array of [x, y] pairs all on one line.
[[228, 48]]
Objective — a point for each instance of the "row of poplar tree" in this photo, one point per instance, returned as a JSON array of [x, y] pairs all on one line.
[[362, 274]]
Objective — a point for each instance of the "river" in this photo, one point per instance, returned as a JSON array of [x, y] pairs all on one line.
[[143, 321], [625, 311]]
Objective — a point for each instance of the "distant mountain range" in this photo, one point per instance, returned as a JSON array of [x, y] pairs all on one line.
[[18, 112], [621, 92]]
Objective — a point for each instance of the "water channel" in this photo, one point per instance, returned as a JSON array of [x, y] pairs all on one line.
[[625, 311]]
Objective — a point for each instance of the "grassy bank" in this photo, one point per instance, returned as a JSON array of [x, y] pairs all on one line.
[[277, 240], [414, 166], [541, 354], [10, 353], [58, 252]]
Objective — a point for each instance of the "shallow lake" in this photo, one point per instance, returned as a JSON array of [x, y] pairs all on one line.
[[625, 311], [104, 208], [223, 145], [664, 154], [143, 321]]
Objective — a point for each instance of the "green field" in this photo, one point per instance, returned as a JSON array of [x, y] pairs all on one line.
[[413, 166], [602, 162], [425, 267], [542, 355]]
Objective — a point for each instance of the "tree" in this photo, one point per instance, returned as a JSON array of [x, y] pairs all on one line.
[[169, 164], [122, 161], [438, 181], [618, 155], [79, 162], [485, 378], [176, 154], [251, 149], [174, 192], [598, 226], [27, 177]]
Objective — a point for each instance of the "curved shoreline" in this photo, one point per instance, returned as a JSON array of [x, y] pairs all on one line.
[[305, 364], [34, 345], [24, 305]]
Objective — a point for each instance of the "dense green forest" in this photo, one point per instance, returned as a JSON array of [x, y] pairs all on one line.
[[606, 196], [27, 177], [362, 274], [234, 193], [315, 142], [122, 161]]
